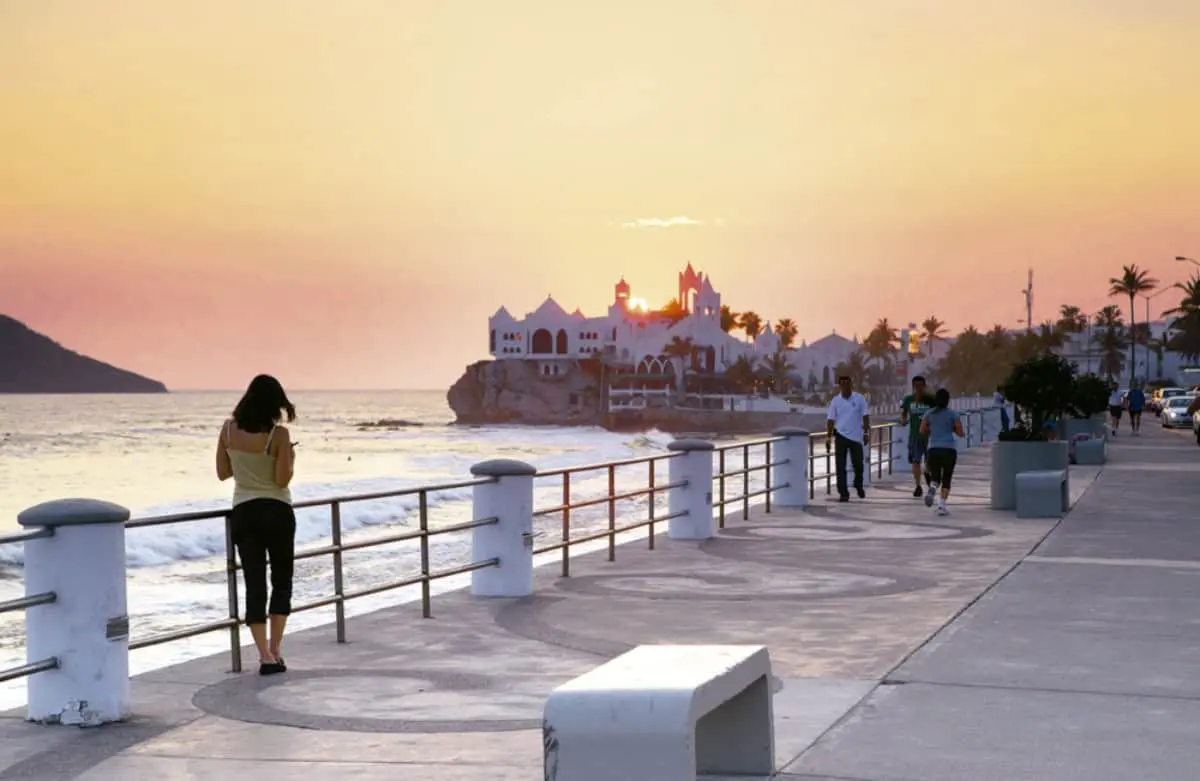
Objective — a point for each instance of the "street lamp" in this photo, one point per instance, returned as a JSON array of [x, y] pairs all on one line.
[[1182, 259]]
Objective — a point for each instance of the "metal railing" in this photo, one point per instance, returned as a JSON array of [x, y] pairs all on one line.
[[24, 603], [615, 501], [610, 500], [334, 549]]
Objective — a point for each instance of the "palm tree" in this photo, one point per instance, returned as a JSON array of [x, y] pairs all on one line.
[[1186, 325], [853, 367], [1051, 335], [729, 318], [786, 330], [680, 352], [932, 330], [777, 367], [740, 373], [1133, 282], [673, 310], [1071, 320], [751, 323], [1110, 337]]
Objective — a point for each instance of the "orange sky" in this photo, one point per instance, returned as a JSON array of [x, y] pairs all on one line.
[[342, 192]]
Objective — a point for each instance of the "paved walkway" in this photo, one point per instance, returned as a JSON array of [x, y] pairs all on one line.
[[1078, 665]]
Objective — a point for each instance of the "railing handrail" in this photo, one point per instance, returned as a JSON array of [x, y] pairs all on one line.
[[337, 547]]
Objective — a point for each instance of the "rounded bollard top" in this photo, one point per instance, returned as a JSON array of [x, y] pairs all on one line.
[[503, 467], [688, 445], [73, 512], [792, 431]]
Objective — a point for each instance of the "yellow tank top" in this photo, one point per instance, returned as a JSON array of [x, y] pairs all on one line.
[[254, 473]]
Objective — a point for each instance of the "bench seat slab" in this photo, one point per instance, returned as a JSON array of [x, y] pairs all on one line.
[[664, 712]]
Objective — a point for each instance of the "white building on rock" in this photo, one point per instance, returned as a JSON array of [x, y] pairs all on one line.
[[630, 335], [643, 345]]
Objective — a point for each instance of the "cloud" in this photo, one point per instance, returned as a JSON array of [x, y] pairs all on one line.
[[644, 223]]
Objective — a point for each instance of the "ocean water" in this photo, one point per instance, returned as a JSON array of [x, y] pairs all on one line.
[[156, 455]]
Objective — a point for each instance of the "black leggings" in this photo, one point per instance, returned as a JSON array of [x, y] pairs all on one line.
[[265, 529], [940, 462]]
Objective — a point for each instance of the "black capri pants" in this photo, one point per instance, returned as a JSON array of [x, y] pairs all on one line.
[[265, 530], [940, 462]]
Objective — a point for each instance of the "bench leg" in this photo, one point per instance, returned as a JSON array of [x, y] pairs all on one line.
[[738, 738], [586, 753]]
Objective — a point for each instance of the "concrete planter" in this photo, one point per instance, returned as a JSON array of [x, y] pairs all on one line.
[[1096, 428], [1009, 458]]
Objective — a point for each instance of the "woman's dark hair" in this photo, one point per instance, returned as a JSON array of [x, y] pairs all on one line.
[[263, 405], [941, 399]]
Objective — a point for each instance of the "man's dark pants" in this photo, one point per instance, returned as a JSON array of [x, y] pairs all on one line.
[[855, 447]]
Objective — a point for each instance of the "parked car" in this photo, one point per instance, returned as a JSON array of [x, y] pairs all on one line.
[[1175, 412], [1160, 398]]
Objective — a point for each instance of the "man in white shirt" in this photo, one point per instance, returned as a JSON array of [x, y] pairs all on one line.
[[848, 426]]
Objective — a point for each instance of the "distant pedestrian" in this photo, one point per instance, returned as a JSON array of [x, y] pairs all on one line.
[[1116, 405], [941, 424], [998, 400], [259, 455], [848, 426], [1135, 401], [912, 409]]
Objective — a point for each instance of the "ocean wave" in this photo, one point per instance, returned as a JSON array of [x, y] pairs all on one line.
[[155, 546]]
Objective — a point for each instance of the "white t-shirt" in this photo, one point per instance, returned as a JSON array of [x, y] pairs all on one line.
[[847, 415], [1115, 399]]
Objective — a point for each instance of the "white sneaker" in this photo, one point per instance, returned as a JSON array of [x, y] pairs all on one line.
[[930, 494], [941, 510]]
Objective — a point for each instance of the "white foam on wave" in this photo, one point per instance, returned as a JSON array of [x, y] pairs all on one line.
[[546, 448]]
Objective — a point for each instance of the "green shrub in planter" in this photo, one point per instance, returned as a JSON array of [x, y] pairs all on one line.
[[1090, 397], [1044, 388]]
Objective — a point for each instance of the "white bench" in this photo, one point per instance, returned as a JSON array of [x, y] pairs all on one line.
[[664, 713], [1043, 493]]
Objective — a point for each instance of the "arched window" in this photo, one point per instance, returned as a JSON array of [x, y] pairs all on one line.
[[492, 341], [561, 343], [543, 342]]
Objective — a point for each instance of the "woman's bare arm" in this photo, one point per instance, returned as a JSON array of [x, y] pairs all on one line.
[[924, 427], [284, 457], [224, 466], [958, 429]]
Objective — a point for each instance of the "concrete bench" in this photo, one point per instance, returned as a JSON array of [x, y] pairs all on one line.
[[664, 713], [1042, 494], [1090, 452]]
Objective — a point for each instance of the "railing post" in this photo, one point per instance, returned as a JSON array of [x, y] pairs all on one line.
[[899, 449], [789, 476], [508, 497], [695, 466], [87, 627]]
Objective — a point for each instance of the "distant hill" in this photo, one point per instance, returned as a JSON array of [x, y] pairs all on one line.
[[33, 363]]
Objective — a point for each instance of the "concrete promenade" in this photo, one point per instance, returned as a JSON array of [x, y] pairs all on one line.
[[907, 647]]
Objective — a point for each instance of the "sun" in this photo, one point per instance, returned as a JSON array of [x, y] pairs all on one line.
[[638, 305]]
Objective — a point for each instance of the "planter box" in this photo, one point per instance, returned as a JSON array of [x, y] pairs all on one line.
[[1097, 429], [1009, 458]]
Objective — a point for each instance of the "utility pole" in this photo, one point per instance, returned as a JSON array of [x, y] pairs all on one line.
[[1028, 293]]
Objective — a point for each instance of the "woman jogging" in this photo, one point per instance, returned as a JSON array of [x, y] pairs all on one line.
[[1116, 405], [940, 425]]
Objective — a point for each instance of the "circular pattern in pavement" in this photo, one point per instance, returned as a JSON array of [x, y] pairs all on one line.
[[799, 585], [417, 701], [835, 529]]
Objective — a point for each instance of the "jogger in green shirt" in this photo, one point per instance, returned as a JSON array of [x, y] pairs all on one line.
[[912, 409]]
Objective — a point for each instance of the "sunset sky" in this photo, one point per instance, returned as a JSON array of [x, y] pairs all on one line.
[[342, 191]]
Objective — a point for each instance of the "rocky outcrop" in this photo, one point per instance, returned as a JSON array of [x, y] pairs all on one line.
[[516, 392], [33, 363]]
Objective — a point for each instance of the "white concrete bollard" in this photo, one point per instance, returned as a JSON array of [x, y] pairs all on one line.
[[509, 498], [86, 628], [695, 466], [790, 479], [900, 449]]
